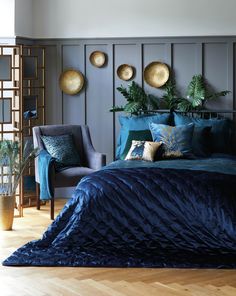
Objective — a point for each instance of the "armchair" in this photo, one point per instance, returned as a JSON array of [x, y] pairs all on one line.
[[91, 160]]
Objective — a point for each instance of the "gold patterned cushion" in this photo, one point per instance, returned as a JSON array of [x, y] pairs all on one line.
[[143, 150]]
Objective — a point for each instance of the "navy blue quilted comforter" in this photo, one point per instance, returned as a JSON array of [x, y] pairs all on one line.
[[151, 217]]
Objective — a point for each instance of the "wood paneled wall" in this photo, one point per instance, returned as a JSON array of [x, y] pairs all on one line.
[[214, 57]]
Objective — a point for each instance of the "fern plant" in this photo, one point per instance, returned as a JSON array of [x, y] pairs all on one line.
[[137, 100], [197, 95], [170, 99]]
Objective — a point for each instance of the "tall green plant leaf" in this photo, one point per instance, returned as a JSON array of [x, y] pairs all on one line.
[[170, 98], [117, 109], [13, 165], [133, 107], [153, 102], [137, 100], [197, 95], [196, 92], [184, 105]]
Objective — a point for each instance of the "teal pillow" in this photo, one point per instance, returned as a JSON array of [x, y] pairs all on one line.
[[136, 123], [177, 141], [63, 149], [143, 135], [219, 138]]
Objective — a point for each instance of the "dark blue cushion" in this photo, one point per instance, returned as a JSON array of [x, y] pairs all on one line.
[[136, 123], [219, 137], [201, 141], [63, 149], [177, 141]]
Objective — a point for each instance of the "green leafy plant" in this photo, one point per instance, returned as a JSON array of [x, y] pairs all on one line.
[[11, 166], [137, 100], [197, 95], [170, 99]]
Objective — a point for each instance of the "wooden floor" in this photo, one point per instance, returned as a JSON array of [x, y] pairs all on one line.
[[39, 281]]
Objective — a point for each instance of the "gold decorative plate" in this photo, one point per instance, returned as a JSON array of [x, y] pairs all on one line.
[[156, 74], [71, 81], [97, 59], [125, 72]]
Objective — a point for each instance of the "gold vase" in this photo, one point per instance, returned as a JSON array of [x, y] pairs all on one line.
[[7, 204]]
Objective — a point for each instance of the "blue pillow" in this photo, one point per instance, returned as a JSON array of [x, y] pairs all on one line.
[[136, 123], [63, 149], [177, 140], [220, 135], [201, 141]]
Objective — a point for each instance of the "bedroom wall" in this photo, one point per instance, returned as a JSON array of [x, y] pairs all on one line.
[[16, 18], [132, 18], [7, 18], [71, 30], [214, 57], [24, 18]]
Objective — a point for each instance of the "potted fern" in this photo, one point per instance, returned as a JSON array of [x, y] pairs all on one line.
[[11, 170]]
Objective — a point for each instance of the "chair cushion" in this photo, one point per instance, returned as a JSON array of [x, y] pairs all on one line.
[[63, 149], [71, 176]]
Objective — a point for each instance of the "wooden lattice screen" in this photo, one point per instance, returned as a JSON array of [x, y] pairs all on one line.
[[22, 105]]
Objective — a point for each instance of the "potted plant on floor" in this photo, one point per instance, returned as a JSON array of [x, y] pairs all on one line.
[[11, 170]]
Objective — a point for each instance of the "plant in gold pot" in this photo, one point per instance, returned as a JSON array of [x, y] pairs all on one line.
[[11, 170]]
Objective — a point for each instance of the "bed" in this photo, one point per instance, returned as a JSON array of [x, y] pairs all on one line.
[[172, 213]]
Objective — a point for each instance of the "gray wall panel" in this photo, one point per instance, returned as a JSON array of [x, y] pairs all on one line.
[[125, 54], [73, 106], [216, 71], [53, 98], [212, 56], [99, 99], [184, 65]]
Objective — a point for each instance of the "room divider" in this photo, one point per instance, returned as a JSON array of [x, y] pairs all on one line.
[[22, 106]]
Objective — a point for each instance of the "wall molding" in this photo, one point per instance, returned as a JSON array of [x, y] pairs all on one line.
[[212, 56]]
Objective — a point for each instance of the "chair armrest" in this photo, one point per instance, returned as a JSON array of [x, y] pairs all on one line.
[[94, 159]]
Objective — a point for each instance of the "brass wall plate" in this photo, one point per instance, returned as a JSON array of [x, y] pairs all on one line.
[[71, 81], [156, 74], [97, 58], [125, 72]]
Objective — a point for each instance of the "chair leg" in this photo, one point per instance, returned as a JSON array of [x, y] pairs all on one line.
[[52, 208], [37, 196]]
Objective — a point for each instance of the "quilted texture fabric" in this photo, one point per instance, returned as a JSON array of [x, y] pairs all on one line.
[[62, 148], [218, 163], [142, 217]]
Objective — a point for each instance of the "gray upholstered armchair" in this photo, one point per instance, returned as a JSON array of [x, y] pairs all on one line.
[[90, 159]]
